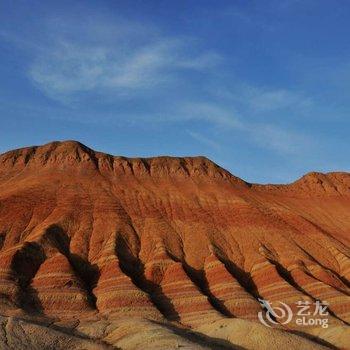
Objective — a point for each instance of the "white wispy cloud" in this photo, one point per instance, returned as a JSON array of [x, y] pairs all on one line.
[[71, 64], [266, 135], [260, 99], [121, 58], [223, 116], [263, 99], [204, 140], [281, 140]]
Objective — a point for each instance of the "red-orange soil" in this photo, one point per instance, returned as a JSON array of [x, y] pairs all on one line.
[[90, 237]]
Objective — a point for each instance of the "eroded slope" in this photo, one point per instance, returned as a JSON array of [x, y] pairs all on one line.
[[88, 236]]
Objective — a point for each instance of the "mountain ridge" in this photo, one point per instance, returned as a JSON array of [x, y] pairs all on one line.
[[75, 150], [87, 239]]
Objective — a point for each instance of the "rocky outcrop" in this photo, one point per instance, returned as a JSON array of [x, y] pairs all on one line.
[[118, 296], [86, 235], [227, 292], [56, 290]]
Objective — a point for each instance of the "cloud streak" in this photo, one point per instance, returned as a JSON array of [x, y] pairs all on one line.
[[264, 134], [76, 63], [262, 100], [69, 65], [204, 140]]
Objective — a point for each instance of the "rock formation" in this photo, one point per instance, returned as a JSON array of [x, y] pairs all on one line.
[[92, 244]]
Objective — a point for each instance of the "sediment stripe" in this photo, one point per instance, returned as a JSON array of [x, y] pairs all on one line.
[[57, 292], [227, 291], [117, 294]]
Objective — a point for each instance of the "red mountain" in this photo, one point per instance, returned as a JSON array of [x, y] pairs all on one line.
[[99, 251]]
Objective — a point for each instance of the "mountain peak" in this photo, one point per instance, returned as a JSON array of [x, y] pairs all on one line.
[[332, 182], [73, 154], [76, 156]]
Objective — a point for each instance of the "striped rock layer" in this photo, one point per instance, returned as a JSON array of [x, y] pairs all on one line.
[[58, 291], [178, 239], [228, 292]]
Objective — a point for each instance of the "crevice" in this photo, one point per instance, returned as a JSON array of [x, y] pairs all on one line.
[[336, 274], [25, 264], [199, 280], [287, 276], [134, 268], [338, 289], [243, 277], [2, 239], [87, 273]]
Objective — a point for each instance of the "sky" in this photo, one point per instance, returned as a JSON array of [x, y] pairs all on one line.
[[262, 88]]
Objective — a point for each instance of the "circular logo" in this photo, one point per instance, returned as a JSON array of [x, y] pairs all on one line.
[[281, 314]]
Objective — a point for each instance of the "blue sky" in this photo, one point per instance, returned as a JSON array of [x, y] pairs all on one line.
[[260, 87]]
